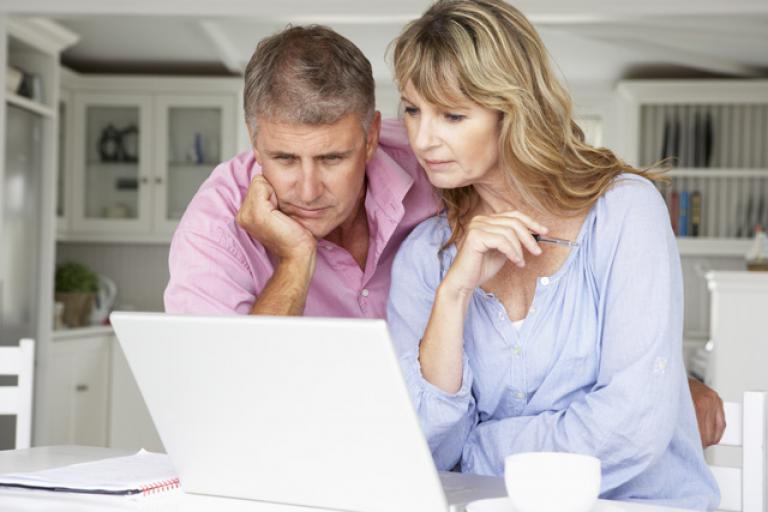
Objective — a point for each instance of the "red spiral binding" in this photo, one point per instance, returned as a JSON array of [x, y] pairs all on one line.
[[161, 486]]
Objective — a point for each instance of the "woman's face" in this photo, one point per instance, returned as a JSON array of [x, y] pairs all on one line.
[[456, 147]]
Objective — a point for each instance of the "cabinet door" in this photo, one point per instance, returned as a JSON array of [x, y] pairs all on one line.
[[91, 395], [73, 405], [111, 163], [195, 133]]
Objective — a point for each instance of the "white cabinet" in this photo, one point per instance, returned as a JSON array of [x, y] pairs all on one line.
[[72, 405], [713, 134], [131, 426], [738, 361], [28, 156], [90, 396], [111, 188], [141, 147]]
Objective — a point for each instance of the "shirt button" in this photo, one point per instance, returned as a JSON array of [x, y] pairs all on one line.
[[364, 293], [531, 310], [544, 281], [517, 350], [519, 395], [501, 315]]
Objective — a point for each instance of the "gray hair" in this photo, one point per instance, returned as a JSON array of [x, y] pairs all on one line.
[[308, 75]]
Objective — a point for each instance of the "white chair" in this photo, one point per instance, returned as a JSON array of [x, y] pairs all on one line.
[[743, 489], [17, 400]]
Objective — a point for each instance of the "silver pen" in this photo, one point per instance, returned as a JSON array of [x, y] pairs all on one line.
[[555, 241]]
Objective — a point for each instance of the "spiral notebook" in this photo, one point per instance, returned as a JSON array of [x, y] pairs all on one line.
[[141, 474]]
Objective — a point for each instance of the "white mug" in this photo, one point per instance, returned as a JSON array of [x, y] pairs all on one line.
[[550, 481]]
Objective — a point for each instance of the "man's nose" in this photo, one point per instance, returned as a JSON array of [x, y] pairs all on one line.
[[311, 186]]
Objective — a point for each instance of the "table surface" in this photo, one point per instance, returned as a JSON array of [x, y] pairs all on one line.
[[33, 459]]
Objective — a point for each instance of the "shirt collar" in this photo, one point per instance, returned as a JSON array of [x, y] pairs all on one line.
[[388, 182]]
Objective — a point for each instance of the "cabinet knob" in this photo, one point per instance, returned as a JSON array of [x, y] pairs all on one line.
[[158, 180], [81, 388], [144, 180]]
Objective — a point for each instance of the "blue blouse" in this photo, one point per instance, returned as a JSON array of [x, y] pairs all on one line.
[[596, 367]]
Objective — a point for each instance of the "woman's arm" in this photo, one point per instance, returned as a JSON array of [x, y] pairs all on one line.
[[426, 320], [489, 243], [627, 419], [446, 418]]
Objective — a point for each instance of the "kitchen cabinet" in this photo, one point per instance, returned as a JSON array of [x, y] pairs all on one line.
[[739, 342], [72, 407], [713, 133], [91, 396], [141, 147], [28, 156]]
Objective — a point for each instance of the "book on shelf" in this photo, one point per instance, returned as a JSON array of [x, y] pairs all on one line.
[[695, 213], [674, 211], [138, 475], [682, 223]]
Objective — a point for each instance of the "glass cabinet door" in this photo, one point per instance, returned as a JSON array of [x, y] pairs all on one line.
[[20, 218], [198, 134], [112, 179]]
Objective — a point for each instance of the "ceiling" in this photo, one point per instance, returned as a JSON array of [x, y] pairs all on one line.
[[591, 41]]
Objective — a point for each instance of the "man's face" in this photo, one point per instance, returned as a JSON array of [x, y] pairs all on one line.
[[317, 171]]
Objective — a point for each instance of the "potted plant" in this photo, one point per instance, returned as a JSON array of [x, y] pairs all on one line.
[[76, 286]]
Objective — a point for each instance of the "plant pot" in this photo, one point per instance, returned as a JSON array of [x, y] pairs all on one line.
[[77, 308]]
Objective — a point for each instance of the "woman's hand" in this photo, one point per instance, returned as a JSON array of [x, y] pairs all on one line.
[[491, 241]]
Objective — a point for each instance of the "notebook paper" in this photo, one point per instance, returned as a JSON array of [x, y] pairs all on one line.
[[143, 473]]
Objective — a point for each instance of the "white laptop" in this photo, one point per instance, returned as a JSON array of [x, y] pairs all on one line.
[[305, 411]]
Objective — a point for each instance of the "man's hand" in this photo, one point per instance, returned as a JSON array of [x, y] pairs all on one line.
[[709, 412], [277, 232]]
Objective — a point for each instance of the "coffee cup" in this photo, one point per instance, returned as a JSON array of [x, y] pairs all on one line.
[[552, 481]]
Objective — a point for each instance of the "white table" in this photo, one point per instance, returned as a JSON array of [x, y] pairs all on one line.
[[33, 459]]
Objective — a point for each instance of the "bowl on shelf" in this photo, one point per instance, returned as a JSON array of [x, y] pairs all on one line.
[[13, 77]]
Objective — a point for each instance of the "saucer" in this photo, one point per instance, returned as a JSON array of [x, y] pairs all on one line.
[[490, 505], [504, 505]]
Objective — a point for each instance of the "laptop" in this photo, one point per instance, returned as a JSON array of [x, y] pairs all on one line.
[[300, 411]]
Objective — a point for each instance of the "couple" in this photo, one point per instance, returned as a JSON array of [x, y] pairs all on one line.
[[507, 343]]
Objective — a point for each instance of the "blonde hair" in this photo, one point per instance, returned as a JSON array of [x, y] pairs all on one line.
[[487, 51]]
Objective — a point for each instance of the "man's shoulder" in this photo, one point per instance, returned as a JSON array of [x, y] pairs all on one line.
[[393, 140], [218, 199]]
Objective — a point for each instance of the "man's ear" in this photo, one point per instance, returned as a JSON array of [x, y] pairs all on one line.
[[372, 140]]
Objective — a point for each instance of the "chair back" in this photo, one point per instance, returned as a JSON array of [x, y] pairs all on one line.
[[743, 489], [17, 400]]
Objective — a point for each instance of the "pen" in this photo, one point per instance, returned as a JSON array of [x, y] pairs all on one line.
[[555, 241]]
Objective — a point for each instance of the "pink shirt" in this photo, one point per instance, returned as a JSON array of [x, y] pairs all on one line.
[[217, 268]]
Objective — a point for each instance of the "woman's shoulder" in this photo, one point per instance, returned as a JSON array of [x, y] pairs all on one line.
[[629, 191], [631, 214], [420, 256], [428, 234], [630, 198]]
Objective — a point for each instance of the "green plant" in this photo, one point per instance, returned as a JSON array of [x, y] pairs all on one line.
[[74, 277]]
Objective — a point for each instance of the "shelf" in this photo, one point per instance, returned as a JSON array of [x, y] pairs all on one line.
[[691, 246], [30, 105], [718, 173], [81, 332], [114, 165], [193, 164]]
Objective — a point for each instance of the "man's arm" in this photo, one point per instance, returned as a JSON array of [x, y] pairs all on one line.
[[286, 291], [710, 414]]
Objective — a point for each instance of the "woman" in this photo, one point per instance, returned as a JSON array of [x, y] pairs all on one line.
[[512, 345]]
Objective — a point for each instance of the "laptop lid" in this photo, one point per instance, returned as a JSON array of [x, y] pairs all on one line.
[[307, 411]]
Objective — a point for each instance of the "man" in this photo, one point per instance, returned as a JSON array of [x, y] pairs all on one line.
[[309, 221]]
